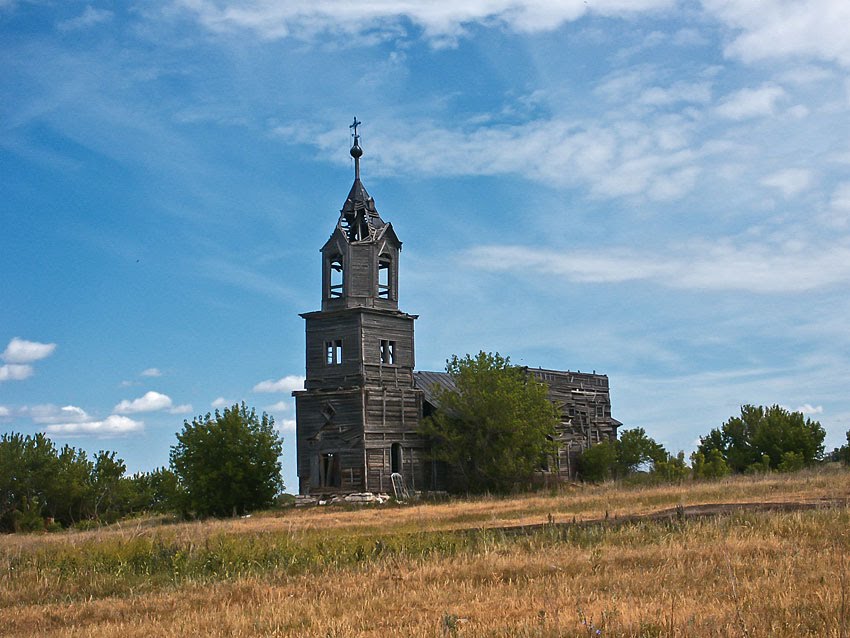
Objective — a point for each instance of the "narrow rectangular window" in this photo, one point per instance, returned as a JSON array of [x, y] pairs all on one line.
[[333, 352], [600, 410], [387, 351]]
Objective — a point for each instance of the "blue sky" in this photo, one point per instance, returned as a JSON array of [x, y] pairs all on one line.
[[653, 189]]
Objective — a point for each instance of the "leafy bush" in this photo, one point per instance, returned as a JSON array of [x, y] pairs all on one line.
[[229, 463]]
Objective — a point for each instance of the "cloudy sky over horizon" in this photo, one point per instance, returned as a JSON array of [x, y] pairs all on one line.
[[655, 189]]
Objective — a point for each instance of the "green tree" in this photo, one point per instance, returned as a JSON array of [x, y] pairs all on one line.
[[109, 500], [228, 463], [495, 429], [842, 454], [709, 466], [672, 468], [155, 491], [598, 463], [69, 498], [635, 450], [774, 431]]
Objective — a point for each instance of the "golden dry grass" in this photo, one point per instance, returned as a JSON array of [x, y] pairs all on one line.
[[399, 572]]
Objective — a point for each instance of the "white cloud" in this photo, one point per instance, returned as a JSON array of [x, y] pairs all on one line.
[[790, 182], [23, 351], [151, 372], [185, 408], [280, 406], [441, 21], [48, 413], [221, 402], [771, 29], [748, 103], [88, 18], [112, 424], [15, 372], [285, 384], [286, 425], [807, 408], [150, 402], [757, 267], [4, 411]]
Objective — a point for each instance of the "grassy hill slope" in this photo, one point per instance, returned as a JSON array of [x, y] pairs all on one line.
[[585, 562]]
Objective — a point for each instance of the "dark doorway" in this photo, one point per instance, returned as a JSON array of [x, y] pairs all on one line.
[[329, 470], [396, 458]]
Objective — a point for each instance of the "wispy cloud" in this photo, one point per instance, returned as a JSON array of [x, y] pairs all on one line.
[[246, 278], [111, 425], [748, 103], [751, 267], [88, 18], [790, 181], [442, 22], [221, 402], [48, 413], [150, 402], [185, 408], [151, 372], [774, 29], [286, 425], [280, 406], [284, 384], [622, 158]]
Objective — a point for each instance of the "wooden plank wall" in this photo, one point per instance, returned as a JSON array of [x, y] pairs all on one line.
[[586, 419], [392, 416], [343, 435]]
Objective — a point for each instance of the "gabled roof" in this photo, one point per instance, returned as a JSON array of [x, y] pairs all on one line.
[[429, 381]]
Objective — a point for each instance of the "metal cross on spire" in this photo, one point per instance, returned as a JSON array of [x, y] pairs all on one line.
[[356, 151]]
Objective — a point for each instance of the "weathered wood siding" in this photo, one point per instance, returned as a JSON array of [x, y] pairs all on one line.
[[585, 404], [397, 328], [323, 328], [329, 422]]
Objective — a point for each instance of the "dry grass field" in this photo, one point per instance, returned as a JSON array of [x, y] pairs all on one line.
[[454, 569]]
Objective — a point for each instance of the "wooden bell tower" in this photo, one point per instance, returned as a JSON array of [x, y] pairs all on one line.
[[357, 417]]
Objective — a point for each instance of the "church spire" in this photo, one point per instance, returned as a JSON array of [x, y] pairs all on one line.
[[356, 151]]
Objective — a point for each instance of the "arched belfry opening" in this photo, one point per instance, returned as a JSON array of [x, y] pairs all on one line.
[[385, 276], [336, 276]]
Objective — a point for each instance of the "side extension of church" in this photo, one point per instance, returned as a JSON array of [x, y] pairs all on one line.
[[357, 417]]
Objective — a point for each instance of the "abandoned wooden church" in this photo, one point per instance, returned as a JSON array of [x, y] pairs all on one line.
[[358, 415]]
